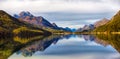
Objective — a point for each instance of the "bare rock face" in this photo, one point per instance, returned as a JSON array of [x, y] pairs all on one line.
[[101, 22]]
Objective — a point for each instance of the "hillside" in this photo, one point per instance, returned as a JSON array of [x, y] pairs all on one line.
[[9, 24], [112, 26], [101, 22]]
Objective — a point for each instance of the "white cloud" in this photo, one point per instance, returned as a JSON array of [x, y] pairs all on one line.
[[92, 6]]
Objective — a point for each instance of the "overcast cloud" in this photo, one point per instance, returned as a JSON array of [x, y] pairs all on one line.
[[77, 12]]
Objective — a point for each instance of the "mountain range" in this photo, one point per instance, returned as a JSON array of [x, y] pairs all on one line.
[[27, 24], [91, 27], [11, 25], [38, 21], [104, 25]]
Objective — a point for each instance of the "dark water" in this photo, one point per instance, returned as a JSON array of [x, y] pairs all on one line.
[[61, 47]]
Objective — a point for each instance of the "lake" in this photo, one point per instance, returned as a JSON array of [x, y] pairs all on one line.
[[61, 47]]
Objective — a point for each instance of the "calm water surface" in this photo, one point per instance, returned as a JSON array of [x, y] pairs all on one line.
[[66, 47]]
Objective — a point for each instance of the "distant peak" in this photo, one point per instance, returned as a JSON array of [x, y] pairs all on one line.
[[25, 13], [54, 24], [40, 17], [16, 16], [104, 19]]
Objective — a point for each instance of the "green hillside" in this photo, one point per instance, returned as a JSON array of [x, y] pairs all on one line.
[[112, 26]]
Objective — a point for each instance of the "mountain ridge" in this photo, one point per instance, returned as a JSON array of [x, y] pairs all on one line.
[[112, 25], [39, 21]]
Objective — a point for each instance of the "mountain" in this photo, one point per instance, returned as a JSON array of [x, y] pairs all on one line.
[[79, 30], [8, 23], [86, 28], [101, 22], [39, 21], [91, 27], [73, 29], [12, 25], [29, 18], [53, 24], [112, 26]]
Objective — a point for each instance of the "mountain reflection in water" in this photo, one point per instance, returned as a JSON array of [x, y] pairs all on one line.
[[61, 46], [41, 45]]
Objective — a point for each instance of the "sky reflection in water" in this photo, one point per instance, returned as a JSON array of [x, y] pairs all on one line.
[[78, 47]]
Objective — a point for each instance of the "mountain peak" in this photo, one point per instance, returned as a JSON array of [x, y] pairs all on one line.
[[54, 25], [36, 20], [101, 22], [25, 13], [104, 19]]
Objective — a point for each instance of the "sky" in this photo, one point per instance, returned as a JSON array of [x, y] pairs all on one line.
[[65, 13]]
